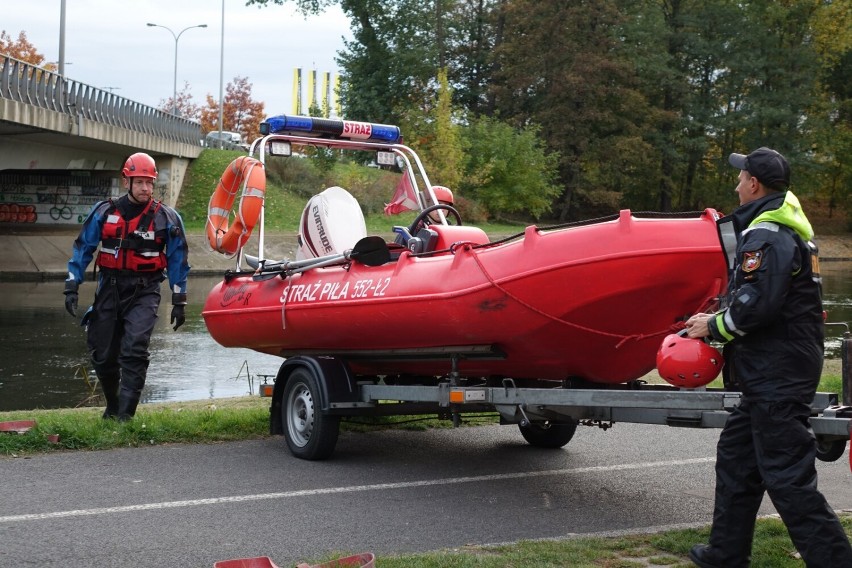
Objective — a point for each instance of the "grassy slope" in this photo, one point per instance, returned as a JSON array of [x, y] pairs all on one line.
[[290, 183]]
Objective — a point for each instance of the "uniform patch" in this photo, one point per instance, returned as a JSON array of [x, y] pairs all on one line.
[[752, 260]]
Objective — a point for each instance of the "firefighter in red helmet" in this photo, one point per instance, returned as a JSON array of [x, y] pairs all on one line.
[[138, 240]]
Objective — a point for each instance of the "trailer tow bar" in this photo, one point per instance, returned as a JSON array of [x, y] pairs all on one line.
[[508, 384]]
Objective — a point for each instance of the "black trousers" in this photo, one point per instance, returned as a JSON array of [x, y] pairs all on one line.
[[119, 332], [769, 446]]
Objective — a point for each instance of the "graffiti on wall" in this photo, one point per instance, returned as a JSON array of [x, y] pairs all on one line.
[[17, 213], [58, 199]]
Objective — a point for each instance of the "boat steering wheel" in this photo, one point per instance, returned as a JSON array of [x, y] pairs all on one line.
[[421, 218]]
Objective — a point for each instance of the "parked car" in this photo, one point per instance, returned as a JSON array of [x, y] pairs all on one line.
[[224, 139]]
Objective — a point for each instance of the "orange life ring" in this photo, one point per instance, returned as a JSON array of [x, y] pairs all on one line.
[[244, 173]]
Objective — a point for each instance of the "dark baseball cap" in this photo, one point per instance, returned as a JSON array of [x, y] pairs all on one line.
[[768, 166]]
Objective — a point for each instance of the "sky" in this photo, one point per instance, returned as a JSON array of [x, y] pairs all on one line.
[[109, 46]]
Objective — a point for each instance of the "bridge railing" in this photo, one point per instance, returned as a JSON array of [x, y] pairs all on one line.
[[34, 85]]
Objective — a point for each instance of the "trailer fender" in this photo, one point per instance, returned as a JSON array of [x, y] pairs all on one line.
[[335, 380]]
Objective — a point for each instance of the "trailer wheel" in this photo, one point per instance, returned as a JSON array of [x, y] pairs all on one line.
[[548, 434], [310, 434], [830, 450]]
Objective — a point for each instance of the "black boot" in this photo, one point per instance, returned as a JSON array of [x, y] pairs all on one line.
[[127, 407], [702, 555], [706, 556], [110, 389]]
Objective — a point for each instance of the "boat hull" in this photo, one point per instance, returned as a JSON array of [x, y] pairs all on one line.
[[592, 302]]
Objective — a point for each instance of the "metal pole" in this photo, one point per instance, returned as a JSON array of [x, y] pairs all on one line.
[[846, 371], [221, 74], [174, 81], [177, 37], [62, 39]]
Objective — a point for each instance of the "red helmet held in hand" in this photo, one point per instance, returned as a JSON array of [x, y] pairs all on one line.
[[140, 164], [688, 363]]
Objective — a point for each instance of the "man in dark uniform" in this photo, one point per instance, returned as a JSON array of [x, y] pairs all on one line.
[[772, 328], [137, 240]]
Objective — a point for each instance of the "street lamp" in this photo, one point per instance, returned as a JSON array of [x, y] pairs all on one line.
[[177, 37]]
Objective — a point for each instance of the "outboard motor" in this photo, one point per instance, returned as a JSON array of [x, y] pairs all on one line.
[[331, 223]]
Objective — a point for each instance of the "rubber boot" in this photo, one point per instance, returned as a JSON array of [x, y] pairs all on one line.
[[127, 407], [109, 385]]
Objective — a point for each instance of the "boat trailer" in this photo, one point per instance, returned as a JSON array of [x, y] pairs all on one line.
[[312, 392]]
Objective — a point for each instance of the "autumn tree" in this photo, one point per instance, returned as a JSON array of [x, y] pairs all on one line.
[[20, 49], [239, 112], [185, 106]]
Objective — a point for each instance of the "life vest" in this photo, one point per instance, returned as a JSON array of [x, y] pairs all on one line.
[[132, 245]]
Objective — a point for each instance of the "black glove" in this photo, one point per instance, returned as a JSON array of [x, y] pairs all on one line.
[[178, 316], [71, 297]]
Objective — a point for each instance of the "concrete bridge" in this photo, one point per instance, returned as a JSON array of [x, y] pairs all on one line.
[[63, 143]]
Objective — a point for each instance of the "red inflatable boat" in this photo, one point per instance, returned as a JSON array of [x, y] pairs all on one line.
[[588, 300]]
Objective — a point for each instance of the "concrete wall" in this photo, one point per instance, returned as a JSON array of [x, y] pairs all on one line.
[[53, 166], [65, 197]]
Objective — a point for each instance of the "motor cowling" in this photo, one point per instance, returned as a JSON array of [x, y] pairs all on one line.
[[331, 223], [688, 363]]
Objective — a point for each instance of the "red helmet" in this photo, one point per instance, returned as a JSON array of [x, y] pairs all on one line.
[[443, 194], [140, 165], [688, 363]]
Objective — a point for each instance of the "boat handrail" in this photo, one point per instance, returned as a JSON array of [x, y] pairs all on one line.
[[412, 165]]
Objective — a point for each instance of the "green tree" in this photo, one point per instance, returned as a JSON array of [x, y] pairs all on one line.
[[391, 62], [509, 171], [560, 67], [472, 33], [831, 123], [323, 159], [679, 49], [642, 101], [445, 155]]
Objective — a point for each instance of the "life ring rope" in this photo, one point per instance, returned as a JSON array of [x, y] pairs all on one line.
[[244, 176]]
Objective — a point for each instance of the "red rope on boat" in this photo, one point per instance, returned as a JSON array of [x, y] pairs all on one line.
[[623, 338]]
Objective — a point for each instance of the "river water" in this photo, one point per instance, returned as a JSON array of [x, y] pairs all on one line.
[[43, 350]]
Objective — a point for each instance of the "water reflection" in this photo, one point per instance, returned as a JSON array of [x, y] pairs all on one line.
[[837, 302], [43, 350]]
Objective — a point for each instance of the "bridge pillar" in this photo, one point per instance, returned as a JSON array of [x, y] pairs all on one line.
[[172, 170]]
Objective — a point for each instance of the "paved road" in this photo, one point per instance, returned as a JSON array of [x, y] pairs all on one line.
[[383, 492]]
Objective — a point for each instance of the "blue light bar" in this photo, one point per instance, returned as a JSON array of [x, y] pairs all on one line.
[[331, 128]]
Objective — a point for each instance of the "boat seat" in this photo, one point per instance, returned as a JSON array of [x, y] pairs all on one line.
[[441, 237], [449, 234]]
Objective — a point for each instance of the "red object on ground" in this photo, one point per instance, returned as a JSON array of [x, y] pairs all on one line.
[[258, 562], [17, 426], [363, 560]]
